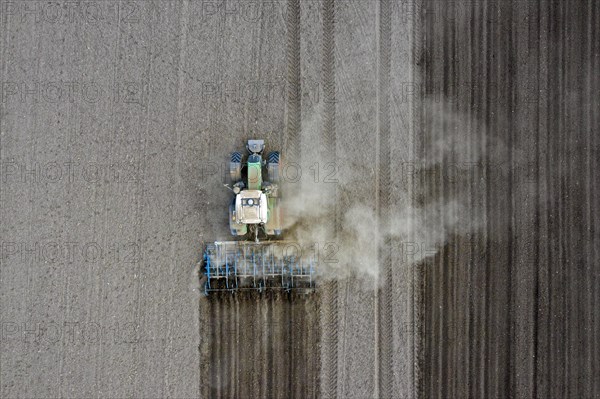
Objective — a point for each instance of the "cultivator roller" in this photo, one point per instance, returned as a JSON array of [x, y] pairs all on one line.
[[244, 265]]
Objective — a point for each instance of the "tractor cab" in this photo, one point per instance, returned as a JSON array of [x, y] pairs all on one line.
[[251, 207]]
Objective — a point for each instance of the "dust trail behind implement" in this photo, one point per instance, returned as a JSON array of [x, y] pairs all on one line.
[[260, 345]]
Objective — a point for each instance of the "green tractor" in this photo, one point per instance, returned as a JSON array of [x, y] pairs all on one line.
[[255, 211]]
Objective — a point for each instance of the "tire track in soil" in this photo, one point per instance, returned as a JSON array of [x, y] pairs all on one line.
[[419, 283], [329, 303], [294, 90], [418, 338], [247, 327], [385, 292]]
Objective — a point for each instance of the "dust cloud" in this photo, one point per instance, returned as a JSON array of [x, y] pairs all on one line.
[[316, 214]]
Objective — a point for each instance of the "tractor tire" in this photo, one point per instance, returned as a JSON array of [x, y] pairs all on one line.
[[273, 167], [235, 167]]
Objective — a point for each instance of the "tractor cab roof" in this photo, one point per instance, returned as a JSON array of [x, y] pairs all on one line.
[[251, 207]]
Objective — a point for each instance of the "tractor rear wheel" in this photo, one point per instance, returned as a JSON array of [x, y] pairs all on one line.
[[235, 167], [273, 167]]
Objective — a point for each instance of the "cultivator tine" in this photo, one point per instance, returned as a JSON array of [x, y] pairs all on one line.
[[253, 268], [207, 260], [226, 272], [282, 271], [235, 272]]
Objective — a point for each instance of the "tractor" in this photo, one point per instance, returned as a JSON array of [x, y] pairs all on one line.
[[257, 258], [255, 209]]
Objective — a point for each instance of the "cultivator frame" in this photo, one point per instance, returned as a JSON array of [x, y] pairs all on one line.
[[231, 266]]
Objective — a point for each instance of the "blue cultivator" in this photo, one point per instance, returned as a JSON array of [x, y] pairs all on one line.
[[246, 265]]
